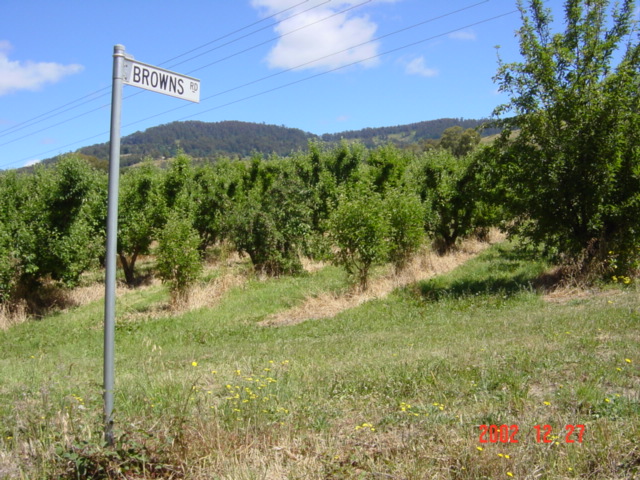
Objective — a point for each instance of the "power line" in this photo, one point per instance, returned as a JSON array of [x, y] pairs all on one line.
[[259, 30], [278, 37], [92, 96], [289, 84], [314, 61], [264, 92], [237, 31], [31, 121]]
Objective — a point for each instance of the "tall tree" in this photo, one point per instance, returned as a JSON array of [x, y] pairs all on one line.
[[568, 160], [458, 141]]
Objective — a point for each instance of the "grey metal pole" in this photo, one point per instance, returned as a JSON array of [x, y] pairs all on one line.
[[112, 239]]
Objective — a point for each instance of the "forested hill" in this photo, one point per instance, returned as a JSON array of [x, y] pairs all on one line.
[[202, 139], [407, 134], [242, 139]]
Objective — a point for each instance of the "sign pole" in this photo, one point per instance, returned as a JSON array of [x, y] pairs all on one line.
[[112, 245]]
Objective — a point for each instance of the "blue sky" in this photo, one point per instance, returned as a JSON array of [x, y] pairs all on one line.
[[322, 66]]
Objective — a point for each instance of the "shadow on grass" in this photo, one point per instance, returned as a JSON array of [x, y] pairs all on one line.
[[502, 270]]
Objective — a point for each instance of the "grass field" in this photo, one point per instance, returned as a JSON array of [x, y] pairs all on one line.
[[395, 388]]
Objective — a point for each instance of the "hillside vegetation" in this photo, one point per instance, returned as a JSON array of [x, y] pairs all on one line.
[[212, 140]]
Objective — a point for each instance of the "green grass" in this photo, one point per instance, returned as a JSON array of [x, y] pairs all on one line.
[[396, 388]]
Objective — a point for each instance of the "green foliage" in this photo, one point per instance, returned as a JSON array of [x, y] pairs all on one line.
[[448, 187], [405, 214], [344, 160], [16, 239], [386, 166], [9, 266], [140, 214], [179, 183], [460, 142], [271, 220], [211, 203], [69, 219], [570, 176], [128, 459], [178, 259], [55, 218], [359, 227]]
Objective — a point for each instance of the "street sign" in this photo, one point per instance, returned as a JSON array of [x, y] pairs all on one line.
[[127, 70], [160, 80]]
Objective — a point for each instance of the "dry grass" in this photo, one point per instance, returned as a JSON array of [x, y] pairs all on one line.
[[423, 266], [11, 315]]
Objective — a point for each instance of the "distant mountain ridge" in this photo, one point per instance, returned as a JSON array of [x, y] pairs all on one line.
[[242, 139]]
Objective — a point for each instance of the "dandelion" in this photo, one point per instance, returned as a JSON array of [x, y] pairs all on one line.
[[479, 449], [507, 456], [214, 372], [607, 400], [628, 360], [547, 403], [509, 474], [194, 364], [364, 425]]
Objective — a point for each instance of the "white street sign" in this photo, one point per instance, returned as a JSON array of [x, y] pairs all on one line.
[[159, 80]]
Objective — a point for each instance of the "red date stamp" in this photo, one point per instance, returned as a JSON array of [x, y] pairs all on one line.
[[544, 433]]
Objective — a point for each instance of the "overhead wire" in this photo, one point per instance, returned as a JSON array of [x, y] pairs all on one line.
[[278, 37], [264, 28], [280, 87], [105, 91], [226, 35], [139, 92], [404, 29], [28, 123], [264, 92]]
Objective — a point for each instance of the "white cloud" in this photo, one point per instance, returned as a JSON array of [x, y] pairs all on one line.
[[31, 163], [325, 36], [418, 66], [16, 75], [463, 35]]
